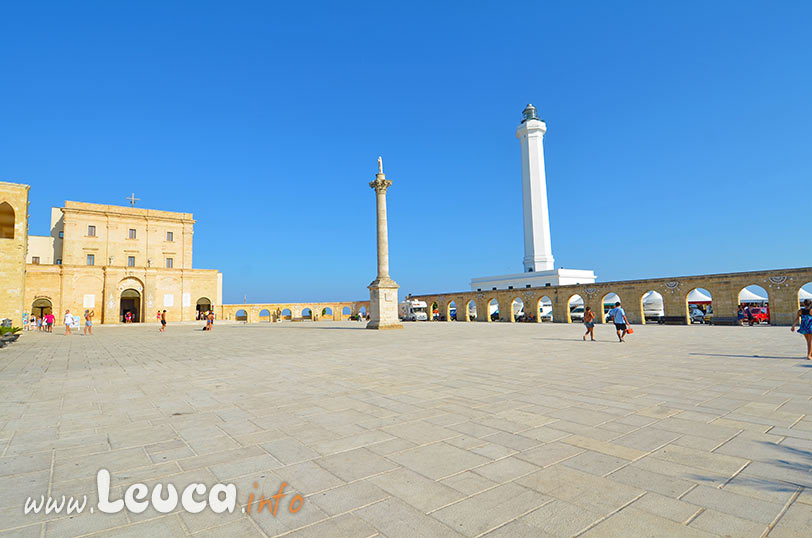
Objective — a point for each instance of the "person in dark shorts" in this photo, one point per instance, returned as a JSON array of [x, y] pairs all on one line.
[[589, 323], [804, 316], [618, 316], [163, 322]]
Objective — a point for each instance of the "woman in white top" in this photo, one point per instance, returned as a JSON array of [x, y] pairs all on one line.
[[68, 322]]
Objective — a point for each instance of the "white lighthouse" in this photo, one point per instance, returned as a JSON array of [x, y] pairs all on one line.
[[538, 252], [538, 262]]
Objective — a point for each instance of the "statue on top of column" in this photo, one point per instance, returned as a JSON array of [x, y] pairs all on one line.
[[380, 165]]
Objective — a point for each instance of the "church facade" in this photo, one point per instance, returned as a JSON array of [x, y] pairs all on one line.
[[124, 263]]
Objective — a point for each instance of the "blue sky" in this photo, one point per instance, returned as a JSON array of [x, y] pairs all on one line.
[[678, 133]]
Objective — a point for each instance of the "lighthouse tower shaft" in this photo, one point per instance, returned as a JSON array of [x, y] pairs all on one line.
[[538, 251]]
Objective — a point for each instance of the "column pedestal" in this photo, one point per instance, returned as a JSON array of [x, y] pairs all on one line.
[[383, 304]]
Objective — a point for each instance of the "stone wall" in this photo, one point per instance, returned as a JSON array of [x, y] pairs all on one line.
[[12, 250], [71, 287], [275, 311], [782, 286]]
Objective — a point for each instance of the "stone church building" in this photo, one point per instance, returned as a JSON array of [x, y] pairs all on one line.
[[121, 262]]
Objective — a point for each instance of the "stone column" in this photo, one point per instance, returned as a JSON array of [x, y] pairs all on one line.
[[383, 291]]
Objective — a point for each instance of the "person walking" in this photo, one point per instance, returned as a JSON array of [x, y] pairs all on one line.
[[618, 315], [804, 316], [163, 321], [89, 322], [210, 321], [749, 313], [50, 319], [740, 315], [68, 323], [589, 323]]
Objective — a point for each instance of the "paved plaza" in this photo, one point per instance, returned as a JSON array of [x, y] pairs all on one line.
[[442, 429]]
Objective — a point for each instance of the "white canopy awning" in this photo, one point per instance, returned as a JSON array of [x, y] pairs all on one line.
[[747, 296], [653, 299], [611, 298], [697, 296], [804, 295]]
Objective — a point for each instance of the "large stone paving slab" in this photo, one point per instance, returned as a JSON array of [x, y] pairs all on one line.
[[442, 429]]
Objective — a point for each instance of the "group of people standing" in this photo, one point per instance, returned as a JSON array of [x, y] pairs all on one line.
[[44, 323]]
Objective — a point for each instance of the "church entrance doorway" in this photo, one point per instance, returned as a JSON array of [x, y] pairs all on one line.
[[130, 311], [203, 306], [41, 307]]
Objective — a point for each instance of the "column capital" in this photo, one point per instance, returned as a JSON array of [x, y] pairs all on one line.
[[381, 183]]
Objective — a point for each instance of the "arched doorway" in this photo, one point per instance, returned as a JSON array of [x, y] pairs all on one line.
[[804, 293], [451, 311], [241, 315], [265, 315], [608, 303], [754, 303], [699, 304], [203, 305], [434, 311], [545, 308], [575, 309], [130, 307], [493, 310], [652, 306], [41, 307], [517, 310], [472, 310], [6, 221]]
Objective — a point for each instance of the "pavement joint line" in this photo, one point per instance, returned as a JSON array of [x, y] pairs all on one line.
[[797, 421], [687, 491], [607, 516], [726, 441], [784, 509], [734, 475], [693, 516], [514, 519]]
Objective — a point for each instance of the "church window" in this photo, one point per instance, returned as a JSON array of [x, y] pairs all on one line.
[[170, 263], [91, 259], [7, 221], [35, 260], [91, 231], [132, 233], [130, 261], [170, 236]]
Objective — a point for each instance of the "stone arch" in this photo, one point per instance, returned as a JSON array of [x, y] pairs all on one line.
[[517, 310], [326, 311], [470, 310], [7, 221], [698, 300], [265, 315], [756, 300], [493, 309], [241, 315], [804, 293], [285, 314], [544, 308], [41, 306], [607, 303], [202, 306], [575, 308], [346, 312], [652, 304], [434, 306], [452, 312], [307, 313]]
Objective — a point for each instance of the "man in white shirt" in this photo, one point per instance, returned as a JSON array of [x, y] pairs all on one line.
[[68, 323]]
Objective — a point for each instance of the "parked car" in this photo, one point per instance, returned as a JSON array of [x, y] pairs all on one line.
[[696, 314], [577, 313], [760, 314]]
